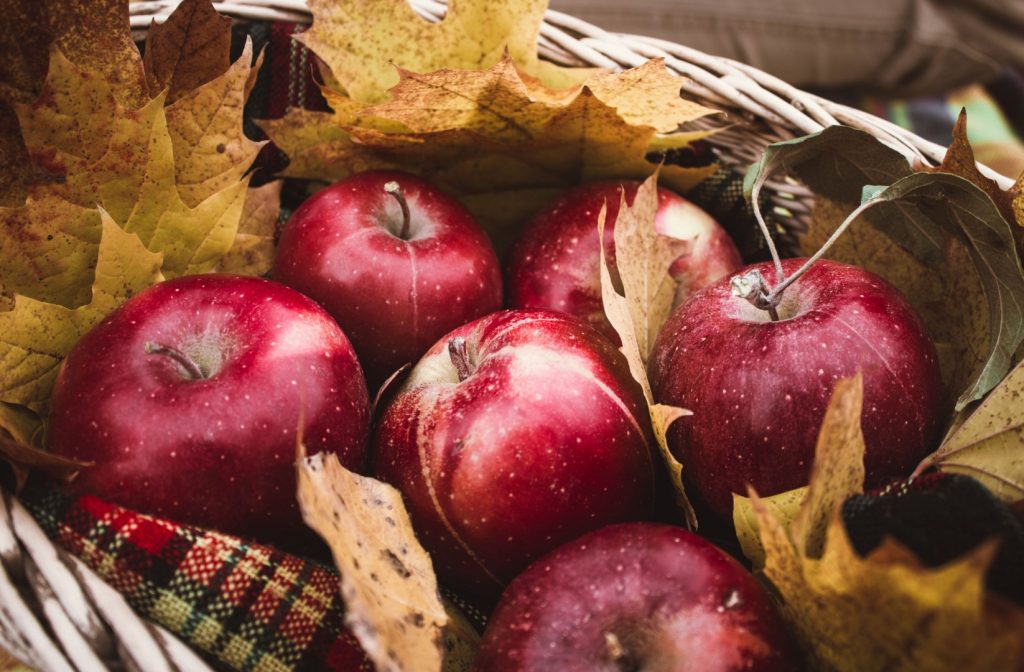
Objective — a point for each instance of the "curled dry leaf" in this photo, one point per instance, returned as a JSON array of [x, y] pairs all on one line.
[[362, 41], [989, 445], [22, 458], [387, 578], [643, 257], [886, 610]]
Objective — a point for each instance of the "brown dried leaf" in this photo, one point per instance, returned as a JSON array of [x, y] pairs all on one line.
[[959, 160], [362, 41], [22, 459], [886, 610], [189, 49], [642, 264], [387, 579], [989, 445], [253, 250]]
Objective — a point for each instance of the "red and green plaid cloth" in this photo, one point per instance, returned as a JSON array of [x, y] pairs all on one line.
[[242, 606]]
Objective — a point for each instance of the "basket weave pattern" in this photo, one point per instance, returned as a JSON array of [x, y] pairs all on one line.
[[56, 614]]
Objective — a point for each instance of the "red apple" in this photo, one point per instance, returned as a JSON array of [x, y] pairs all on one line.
[[638, 596], [555, 264], [397, 266], [758, 388], [513, 434], [189, 396]]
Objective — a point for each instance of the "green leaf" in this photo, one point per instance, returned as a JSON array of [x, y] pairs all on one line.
[[946, 203], [837, 163]]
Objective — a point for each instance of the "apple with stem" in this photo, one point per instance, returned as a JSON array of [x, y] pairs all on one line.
[[394, 260], [513, 434], [555, 264], [757, 367], [637, 596], [189, 398]]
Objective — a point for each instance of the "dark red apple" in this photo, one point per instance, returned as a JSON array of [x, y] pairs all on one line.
[[189, 396], [394, 260], [638, 596], [555, 264], [513, 434], [758, 388]]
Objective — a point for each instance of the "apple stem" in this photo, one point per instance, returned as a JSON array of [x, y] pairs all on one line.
[[395, 190], [751, 286], [183, 360], [460, 357], [620, 657]]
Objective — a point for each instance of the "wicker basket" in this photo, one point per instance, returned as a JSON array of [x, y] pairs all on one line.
[[56, 614]]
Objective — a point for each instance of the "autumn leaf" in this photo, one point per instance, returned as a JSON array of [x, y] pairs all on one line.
[[643, 257], [252, 252], [989, 445], [362, 41], [186, 51], [48, 247], [500, 140], [35, 336], [393, 606], [886, 610]]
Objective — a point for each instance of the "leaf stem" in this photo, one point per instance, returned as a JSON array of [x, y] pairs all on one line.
[[183, 360], [460, 357], [395, 190], [755, 195], [776, 294]]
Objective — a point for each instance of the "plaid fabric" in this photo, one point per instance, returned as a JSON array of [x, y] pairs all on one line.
[[242, 606]]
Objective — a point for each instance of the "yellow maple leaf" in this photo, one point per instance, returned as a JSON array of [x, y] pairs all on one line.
[[989, 444], [883, 611], [362, 41], [253, 250], [35, 336], [642, 258]]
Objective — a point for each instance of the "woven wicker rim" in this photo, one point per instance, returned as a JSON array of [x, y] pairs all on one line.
[[56, 614]]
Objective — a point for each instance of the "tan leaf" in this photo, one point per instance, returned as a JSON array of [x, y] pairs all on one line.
[[48, 247], [387, 579], [211, 152], [959, 160], [252, 252], [783, 507], [189, 49], [951, 304], [886, 610], [989, 445], [838, 469], [362, 41], [35, 336], [641, 256]]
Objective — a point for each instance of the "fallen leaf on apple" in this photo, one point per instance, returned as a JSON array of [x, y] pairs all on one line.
[[252, 251], [886, 610], [362, 41], [989, 445], [387, 579], [643, 257], [35, 336]]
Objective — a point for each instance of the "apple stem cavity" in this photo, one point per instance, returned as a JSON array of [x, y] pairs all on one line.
[[395, 190], [751, 286], [183, 360], [460, 357], [617, 652]]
